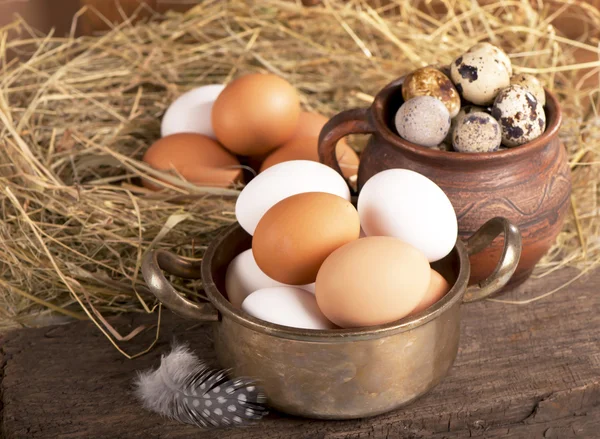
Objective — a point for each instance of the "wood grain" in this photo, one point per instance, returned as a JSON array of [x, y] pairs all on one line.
[[522, 371]]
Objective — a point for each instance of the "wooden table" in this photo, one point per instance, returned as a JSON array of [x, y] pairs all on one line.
[[522, 371]]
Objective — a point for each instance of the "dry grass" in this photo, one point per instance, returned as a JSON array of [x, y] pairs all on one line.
[[77, 113]]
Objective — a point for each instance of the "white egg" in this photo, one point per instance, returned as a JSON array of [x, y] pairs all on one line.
[[289, 306], [243, 277], [284, 180], [409, 206], [191, 112]]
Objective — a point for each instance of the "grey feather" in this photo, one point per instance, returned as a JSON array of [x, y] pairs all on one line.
[[186, 389]]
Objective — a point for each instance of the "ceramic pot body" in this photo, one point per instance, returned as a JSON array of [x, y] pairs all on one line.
[[340, 373], [529, 185]]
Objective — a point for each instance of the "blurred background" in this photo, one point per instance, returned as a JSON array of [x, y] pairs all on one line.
[[46, 14]]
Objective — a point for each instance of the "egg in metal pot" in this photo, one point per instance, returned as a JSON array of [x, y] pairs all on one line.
[[296, 235], [255, 114], [281, 181], [372, 281], [409, 206], [428, 81], [438, 287], [197, 158], [287, 306], [519, 114], [243, 277]]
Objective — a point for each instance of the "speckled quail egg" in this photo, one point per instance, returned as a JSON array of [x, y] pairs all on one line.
[[466, 109], [428, 81], [477, 132], [532, 84], [500, 54], [443, 146], [521, 117], [423, 120], [479, 76]]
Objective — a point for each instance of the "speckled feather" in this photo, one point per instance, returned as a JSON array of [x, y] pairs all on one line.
[[187, 390]]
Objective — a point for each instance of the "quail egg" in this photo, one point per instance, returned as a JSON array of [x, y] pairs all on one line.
[[520, 115], [429, 81], [444, 146], [532, 84], [467, 109], [477, 132], [423, 120], [479, 76], [499, 53]]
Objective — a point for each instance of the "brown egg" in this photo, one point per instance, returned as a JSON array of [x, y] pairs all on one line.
[[255, 114], [197, 158], [296, 235], [428, 81], [438, 287], [311, 124], [306, 148], [372, 281]]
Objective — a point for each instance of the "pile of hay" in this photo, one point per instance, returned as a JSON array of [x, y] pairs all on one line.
[[76, 114]]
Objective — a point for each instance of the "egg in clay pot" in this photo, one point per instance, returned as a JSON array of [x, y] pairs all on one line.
[[532, 84], [477, 132], [479, 74], [519, 114], [423, 120], [429, 81], [464, 110]]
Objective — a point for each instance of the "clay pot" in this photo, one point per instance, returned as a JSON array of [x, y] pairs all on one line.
[[529, 185]]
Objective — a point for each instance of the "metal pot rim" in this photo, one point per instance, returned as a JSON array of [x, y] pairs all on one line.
[[331, 335]]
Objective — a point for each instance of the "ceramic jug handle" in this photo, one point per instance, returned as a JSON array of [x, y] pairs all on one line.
[[509, 259], [153, 264], [347, 122]]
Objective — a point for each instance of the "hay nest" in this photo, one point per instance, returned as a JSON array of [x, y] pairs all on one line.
[[76, 114]]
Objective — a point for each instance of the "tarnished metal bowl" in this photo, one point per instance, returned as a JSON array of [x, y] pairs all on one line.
[[341, 373]]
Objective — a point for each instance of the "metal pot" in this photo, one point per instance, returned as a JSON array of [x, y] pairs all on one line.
[[341, 373]]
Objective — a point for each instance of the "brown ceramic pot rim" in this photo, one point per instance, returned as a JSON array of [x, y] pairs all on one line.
[[553, 122], [408, 323]]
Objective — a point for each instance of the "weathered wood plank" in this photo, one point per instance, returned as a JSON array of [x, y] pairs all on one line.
[[522, 371]]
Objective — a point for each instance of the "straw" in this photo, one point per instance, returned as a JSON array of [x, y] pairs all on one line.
[[77, 114]]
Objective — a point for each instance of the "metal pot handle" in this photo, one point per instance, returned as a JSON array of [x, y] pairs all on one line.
[[153, 264], [508, 260]]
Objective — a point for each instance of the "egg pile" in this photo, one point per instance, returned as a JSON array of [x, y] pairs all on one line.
[[476, 105], [318, 262], [210, 131]]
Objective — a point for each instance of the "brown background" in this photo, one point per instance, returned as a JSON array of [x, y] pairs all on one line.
[[44, 14]]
